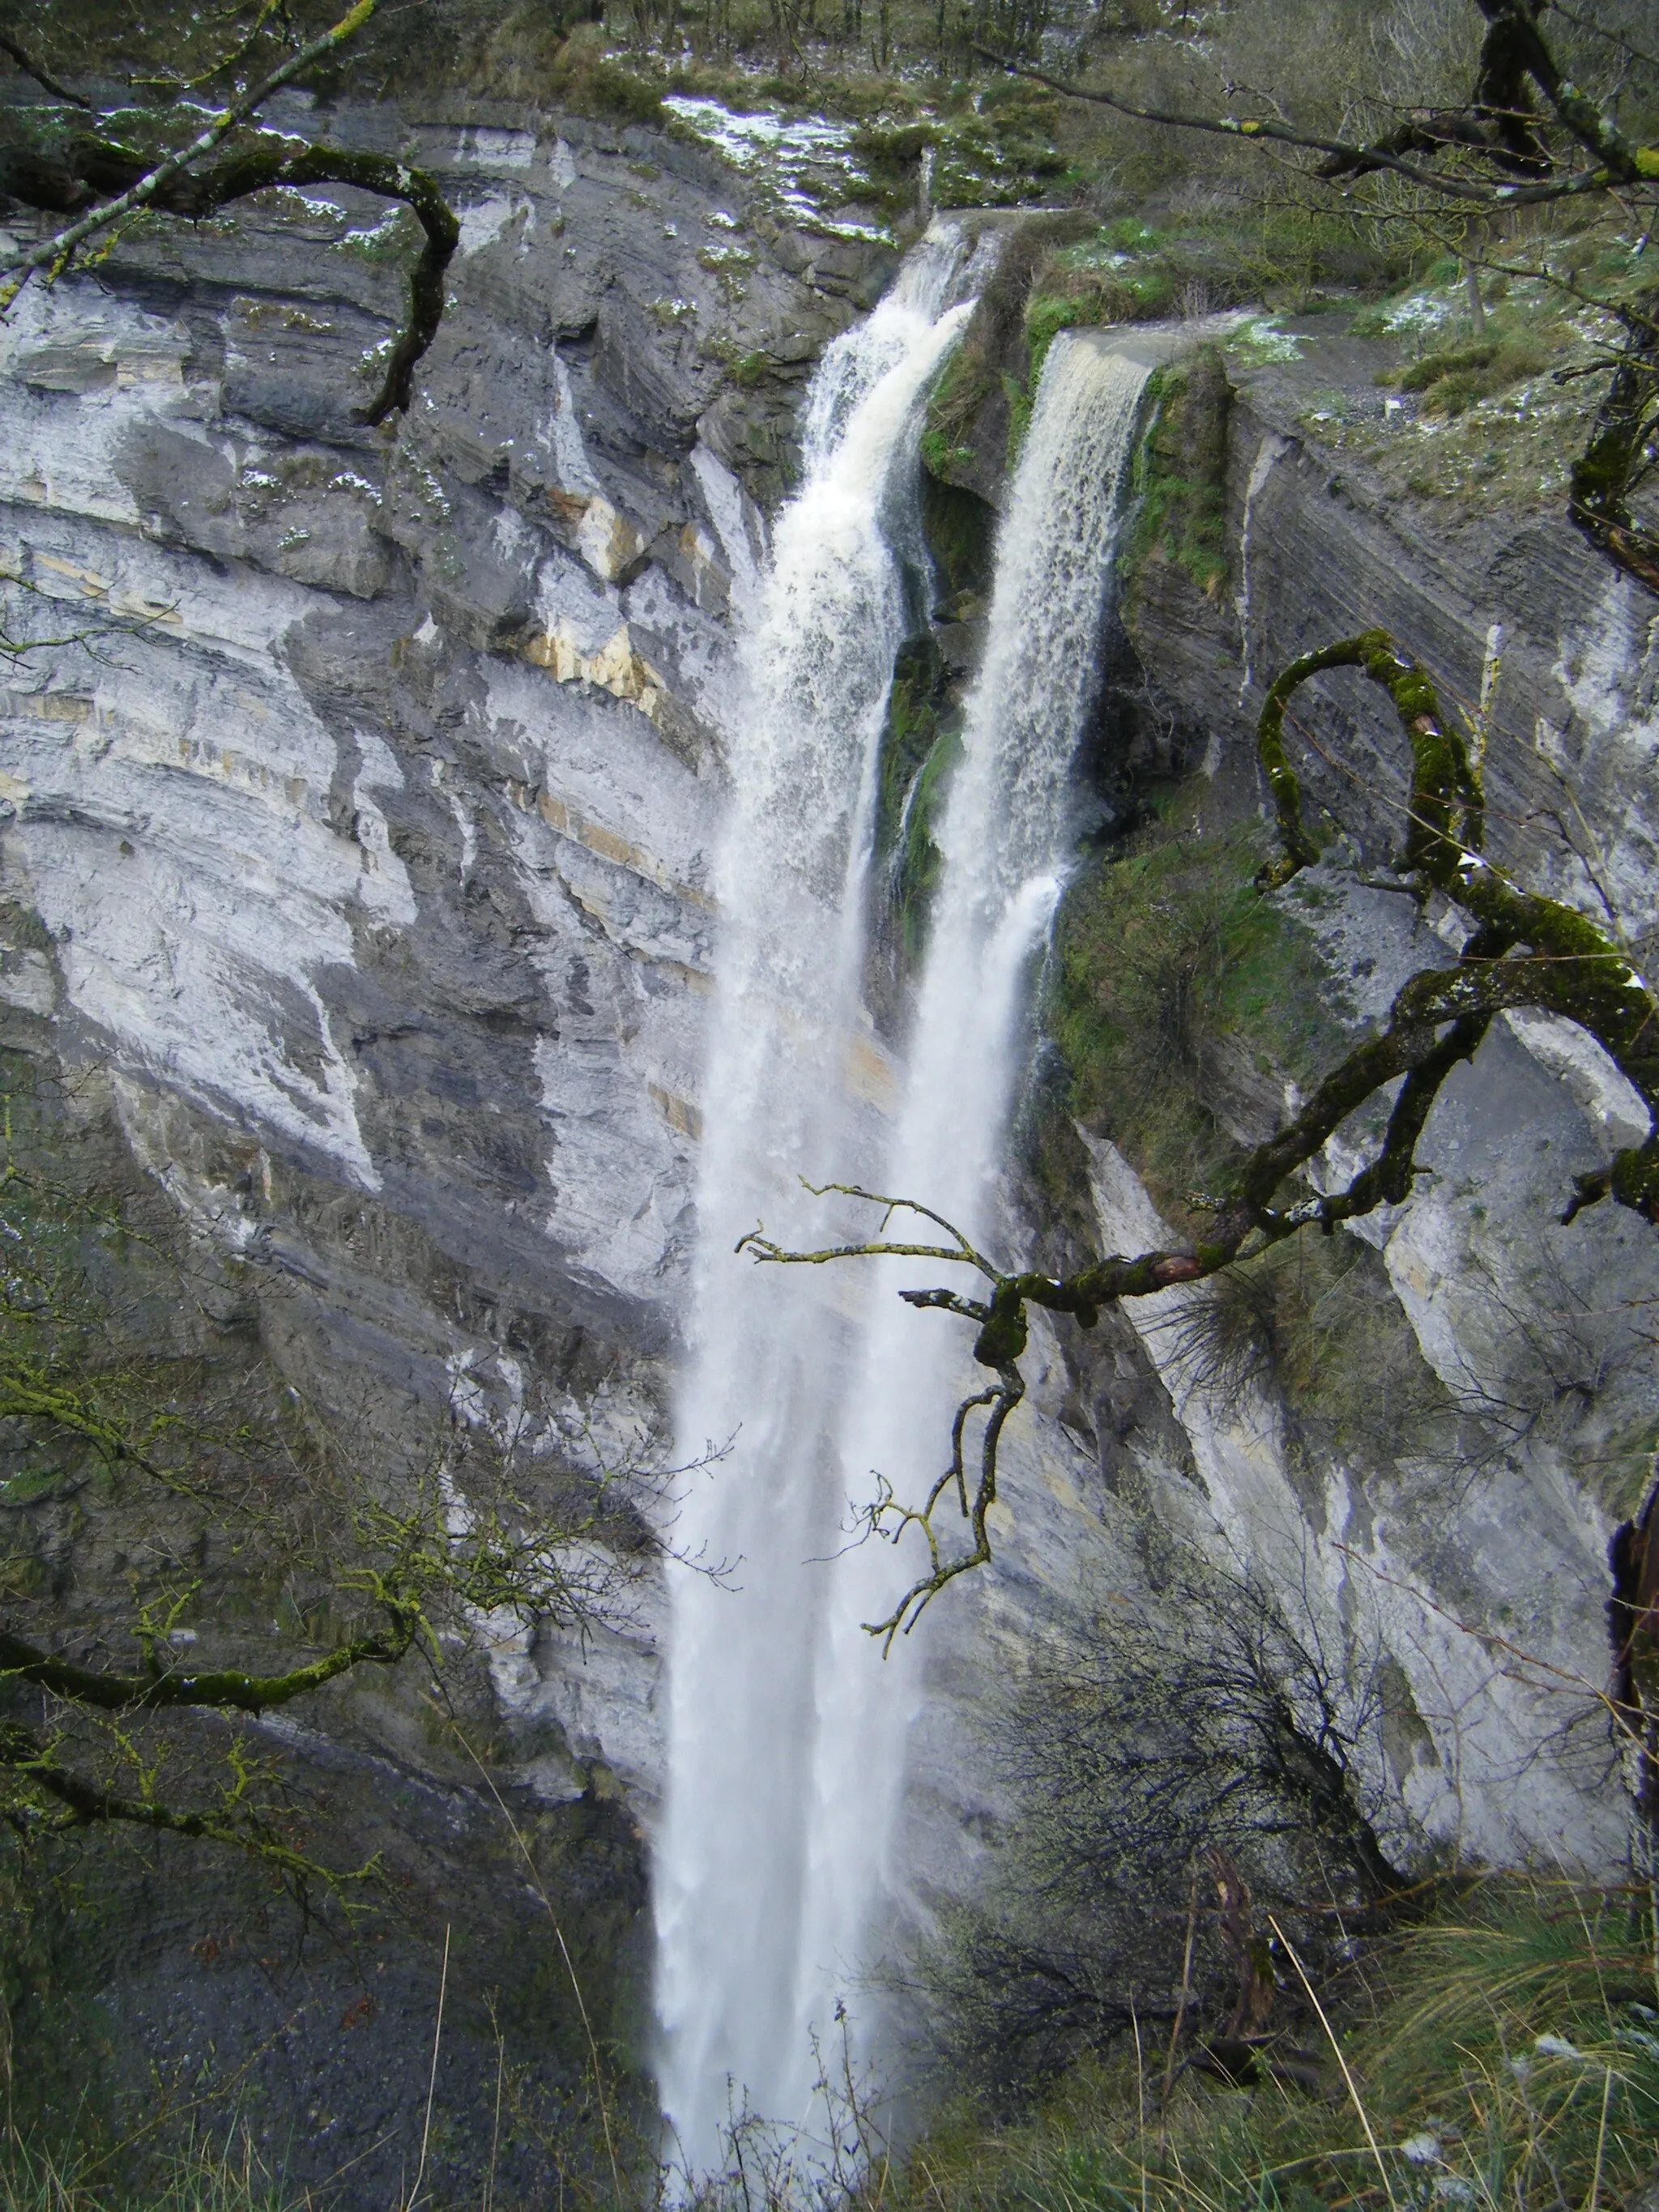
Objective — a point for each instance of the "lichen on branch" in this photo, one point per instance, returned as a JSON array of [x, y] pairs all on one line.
[[100, 182], [1523, 950]]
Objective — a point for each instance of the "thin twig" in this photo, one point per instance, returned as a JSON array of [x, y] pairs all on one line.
[[1181, 2012], [1591, 2201], [540, 1889], [431, 2080]]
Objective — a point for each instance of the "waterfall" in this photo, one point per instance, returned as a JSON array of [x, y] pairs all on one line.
[[1003, 837], [792, 1084], [785, 1733], [1003, 841]]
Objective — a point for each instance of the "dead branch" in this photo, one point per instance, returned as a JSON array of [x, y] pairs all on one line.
[[1523, 950]]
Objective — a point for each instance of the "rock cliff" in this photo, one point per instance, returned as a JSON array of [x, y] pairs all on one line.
[[356, 851], [358, 856], [1470, 1569]]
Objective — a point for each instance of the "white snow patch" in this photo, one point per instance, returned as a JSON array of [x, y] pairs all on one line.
[[484, 222]]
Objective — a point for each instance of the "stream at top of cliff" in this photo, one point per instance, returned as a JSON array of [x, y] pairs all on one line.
[[786, 1732]]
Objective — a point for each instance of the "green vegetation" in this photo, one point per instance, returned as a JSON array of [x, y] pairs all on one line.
[[1454, 379], [1504, 2057], [205, 2178], [1176, 986], [960, 530], [920, 746], [952, 411], [585, 77], [920, 864], [1180, 482], [915, 704]]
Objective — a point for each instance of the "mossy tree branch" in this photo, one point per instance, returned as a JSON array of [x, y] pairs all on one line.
[[1623, 451], [1526, 136], [1523, 950], [100, 182]]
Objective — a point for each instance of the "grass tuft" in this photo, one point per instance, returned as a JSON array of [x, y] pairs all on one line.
[[1504, 2059]]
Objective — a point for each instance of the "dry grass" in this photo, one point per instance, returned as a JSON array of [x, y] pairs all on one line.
[[1504, 2057]]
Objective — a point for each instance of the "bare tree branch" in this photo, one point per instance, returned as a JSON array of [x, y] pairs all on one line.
[[42, 77], [1349, 158], [51, 251], [91, 170], [1524, 949]]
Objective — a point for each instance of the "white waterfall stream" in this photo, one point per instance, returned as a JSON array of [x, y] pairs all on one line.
[[785, 1733], [1003, 836], [790, 1074]]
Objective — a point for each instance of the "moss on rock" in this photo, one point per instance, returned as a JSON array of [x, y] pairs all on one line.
[[1180, 483], [960, 529], [914, 707], [1176, 990]]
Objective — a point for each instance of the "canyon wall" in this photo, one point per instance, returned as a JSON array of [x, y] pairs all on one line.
[[356, 846], [357, 863]]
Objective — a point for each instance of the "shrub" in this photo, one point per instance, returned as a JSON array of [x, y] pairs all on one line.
[[1504, 2056], [589, 83], [1454, 379]]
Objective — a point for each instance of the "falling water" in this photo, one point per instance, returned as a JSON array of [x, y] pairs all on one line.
[[790, 1084], [1002, 840], [785, 1733]]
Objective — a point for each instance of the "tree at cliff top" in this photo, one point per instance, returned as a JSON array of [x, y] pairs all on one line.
[[188, 142], [1536, 132]]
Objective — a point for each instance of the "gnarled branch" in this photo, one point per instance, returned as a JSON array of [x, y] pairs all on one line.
[[100, 182], [1524, 949]]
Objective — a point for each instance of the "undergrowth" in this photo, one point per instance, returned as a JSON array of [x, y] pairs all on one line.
[[1504, 2057], [204, 2177], [1180, 479]]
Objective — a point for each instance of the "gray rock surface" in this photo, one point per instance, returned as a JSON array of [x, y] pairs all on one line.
[[370, 828], [366, 801]]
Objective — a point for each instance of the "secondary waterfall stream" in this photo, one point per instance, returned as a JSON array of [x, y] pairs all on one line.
[[785, 1733]]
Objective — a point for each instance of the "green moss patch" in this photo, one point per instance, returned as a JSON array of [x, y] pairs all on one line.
[[960, 530], [1180, 482], [1453, 380], [913, 725], [918, 861], [919, 748], [947, 442], [1169, 964]]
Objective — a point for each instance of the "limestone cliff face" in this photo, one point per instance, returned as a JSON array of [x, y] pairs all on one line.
[[368, 811], [1472, 1576], [370, 827], [370, 822]]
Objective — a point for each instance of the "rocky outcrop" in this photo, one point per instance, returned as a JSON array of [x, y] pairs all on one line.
[[1464, 1580], [357, 831]]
